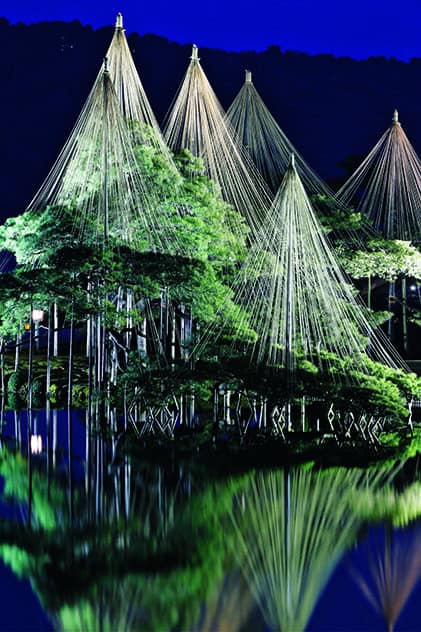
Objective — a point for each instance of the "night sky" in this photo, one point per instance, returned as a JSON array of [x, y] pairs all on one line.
[[359, 29]]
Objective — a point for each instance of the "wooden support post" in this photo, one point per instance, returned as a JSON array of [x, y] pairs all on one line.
[[391, 299], [215, 408], [288, 415], [2, 380], [55, 421], [30, 359], [404, 316], [183, 353], [37, 330], [69, 415], [303, 413], [55, 319], [47, 397], [17, 348]]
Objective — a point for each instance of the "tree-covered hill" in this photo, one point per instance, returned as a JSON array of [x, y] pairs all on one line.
[[331, 108]]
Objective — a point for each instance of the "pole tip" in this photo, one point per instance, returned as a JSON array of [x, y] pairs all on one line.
[[395, 116], [194, 53], [119, 21], [292, 161], [248, 76]]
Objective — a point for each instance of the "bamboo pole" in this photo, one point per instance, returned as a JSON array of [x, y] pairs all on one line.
[[17, 430], [2, 407], [183, 332], [69, 414], [48, 375], [56, 346], [17, 348], [2, 379], [404, 316], [55, 422], [287, 540], [30, 360], [215, 412], [303, 413], [47, 399], [391, 296], [29, 470], [173, 341], [29, 415]]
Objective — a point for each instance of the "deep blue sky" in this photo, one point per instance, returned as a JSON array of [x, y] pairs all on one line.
[[358, 28]]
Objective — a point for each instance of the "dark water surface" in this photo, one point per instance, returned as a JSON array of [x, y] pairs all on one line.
[[103, 541]]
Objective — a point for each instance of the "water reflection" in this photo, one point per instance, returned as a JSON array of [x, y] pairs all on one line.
[[111, 542], [394, 572], [292, 528]]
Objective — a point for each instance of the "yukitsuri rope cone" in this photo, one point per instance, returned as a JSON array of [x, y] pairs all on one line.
[[196, 121], [269, 147], [387, 186], [295, 297]]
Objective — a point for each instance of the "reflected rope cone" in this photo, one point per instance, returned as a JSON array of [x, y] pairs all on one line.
[[269, 147], [295, 296], [196, 122], [394, 575], [387, 186], [97, 181], [115, 605], [292, 528], [134, 103], [229, 610]]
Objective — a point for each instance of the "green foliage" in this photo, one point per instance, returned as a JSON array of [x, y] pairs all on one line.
[[379, 390], [38, 391], [408, 444], [14, 469], [161, 578], [19, 560], [389, 505], [377, 257], [158, 385], [385, 259], [19, 234], [334, 218], [16, 380], [65, 263]]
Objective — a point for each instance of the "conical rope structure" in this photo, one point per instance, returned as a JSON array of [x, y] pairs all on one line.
[[292, 527], [295, 297], [268, 146], [97, 180], [134, 103], [394, 575], [109, 605], [270, 150], [230, 609], [387, 186], [196, 121]]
